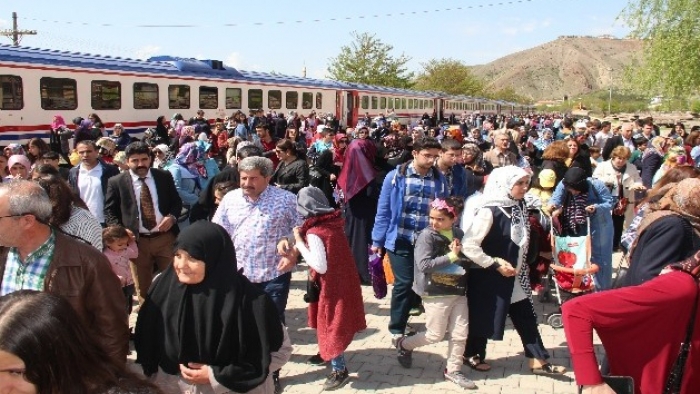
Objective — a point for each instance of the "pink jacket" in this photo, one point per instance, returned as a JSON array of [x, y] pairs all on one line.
[[120, 261]]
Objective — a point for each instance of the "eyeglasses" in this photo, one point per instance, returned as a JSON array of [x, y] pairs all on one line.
[[15, 216], [429, 157]]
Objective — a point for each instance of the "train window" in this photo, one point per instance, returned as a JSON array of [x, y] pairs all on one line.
[[11, 96], [307, 100], [179, 96], [375, 102], [397, 103], [415, 103], [208, 97], [58, 93], [274, 99], [319, 100], [255, 99], [403, 103], [291, 100], [390, 103], [145, 95], [365, 102], [410, 104], [233, 98], [421, 103], [106, 94], [382, 103]]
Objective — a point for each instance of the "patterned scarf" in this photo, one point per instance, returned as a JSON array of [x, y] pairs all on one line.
[[574, 212]]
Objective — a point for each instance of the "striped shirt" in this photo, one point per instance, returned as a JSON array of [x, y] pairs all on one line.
[[255, 228], [30, 274], [419, 193]]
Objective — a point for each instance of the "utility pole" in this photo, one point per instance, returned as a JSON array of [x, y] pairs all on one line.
[[610, 97], [15, 33]]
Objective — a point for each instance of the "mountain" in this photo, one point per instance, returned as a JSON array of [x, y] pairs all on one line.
[[569, 65]]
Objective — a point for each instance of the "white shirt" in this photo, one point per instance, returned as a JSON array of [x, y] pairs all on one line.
[[90, 186], [136, 183], [601, 138], [315, 254]]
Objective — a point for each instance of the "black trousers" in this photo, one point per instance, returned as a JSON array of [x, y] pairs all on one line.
[[525, 322], [618, 224]]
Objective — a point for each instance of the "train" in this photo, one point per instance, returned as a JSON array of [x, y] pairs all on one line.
[[36, 84]]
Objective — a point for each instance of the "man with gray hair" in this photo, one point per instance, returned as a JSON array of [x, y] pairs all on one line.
[[500, 155], [34, 256], [257, 216]]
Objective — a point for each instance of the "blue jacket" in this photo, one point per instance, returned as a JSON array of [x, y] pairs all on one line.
[[390, 205]]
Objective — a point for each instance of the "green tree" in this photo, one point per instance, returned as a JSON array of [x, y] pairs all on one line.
[[369, 60], [449, 76], [671, 59]]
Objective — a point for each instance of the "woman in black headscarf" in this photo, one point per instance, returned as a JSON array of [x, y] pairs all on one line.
[[206, 324]]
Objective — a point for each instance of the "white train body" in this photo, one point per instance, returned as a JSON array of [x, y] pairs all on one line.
[[36, 84]]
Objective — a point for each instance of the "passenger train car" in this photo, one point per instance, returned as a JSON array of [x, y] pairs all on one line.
[[36, 84]]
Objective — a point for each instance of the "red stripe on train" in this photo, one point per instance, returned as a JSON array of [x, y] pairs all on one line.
[[40, 127]]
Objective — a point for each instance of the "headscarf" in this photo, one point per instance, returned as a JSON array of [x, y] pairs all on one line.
[[15, 149], [312, 202], [690, 265], [224, 321], [574, 206], [682, 198], [338, 152], [498, 186], [186, 134], [167, 156], [175, 119], [575, 178], [19, 159], [358, 170], [191, 157], [57, 122], [497, 194], [477, 153], [656, 146]]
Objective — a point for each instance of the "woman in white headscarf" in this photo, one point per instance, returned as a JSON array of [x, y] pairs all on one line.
[[496, 240]]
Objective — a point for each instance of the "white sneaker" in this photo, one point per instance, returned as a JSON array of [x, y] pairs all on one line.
[[460, 380]]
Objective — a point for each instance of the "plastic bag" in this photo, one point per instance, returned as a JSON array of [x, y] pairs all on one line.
[[376, 272]]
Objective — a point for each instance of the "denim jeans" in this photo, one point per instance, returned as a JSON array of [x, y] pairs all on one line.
[[338, 363], [402, 296], [278, 290]]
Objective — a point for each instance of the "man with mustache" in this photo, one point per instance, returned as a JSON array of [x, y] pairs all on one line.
[[145, 201]]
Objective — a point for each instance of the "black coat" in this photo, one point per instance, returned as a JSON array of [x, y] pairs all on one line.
[[612, 143], [291, 177], [121, 206]]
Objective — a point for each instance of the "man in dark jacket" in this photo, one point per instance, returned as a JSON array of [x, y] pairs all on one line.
[[33, 256], [622, 139], [455, 174], [89, 178]]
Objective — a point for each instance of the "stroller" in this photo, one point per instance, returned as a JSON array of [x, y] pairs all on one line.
[[571, 271]]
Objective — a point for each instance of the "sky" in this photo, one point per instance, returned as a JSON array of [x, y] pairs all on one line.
[[288, 36]]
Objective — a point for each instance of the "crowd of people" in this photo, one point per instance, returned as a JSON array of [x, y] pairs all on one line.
[[202, 223]]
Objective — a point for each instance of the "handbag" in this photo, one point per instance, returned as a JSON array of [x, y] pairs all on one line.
[[376, 272], [619, 384], [313, 290], [621, 206], [621, 272], [675, 378]]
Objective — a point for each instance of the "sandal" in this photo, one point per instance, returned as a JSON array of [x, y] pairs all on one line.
[[548, 369], [476, 364]]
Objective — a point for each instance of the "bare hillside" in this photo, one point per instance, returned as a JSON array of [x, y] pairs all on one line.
[[566, 66]]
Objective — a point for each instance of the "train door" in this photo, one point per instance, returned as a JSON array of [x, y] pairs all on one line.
[[340, 114], [439, 110], [353, 101]]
